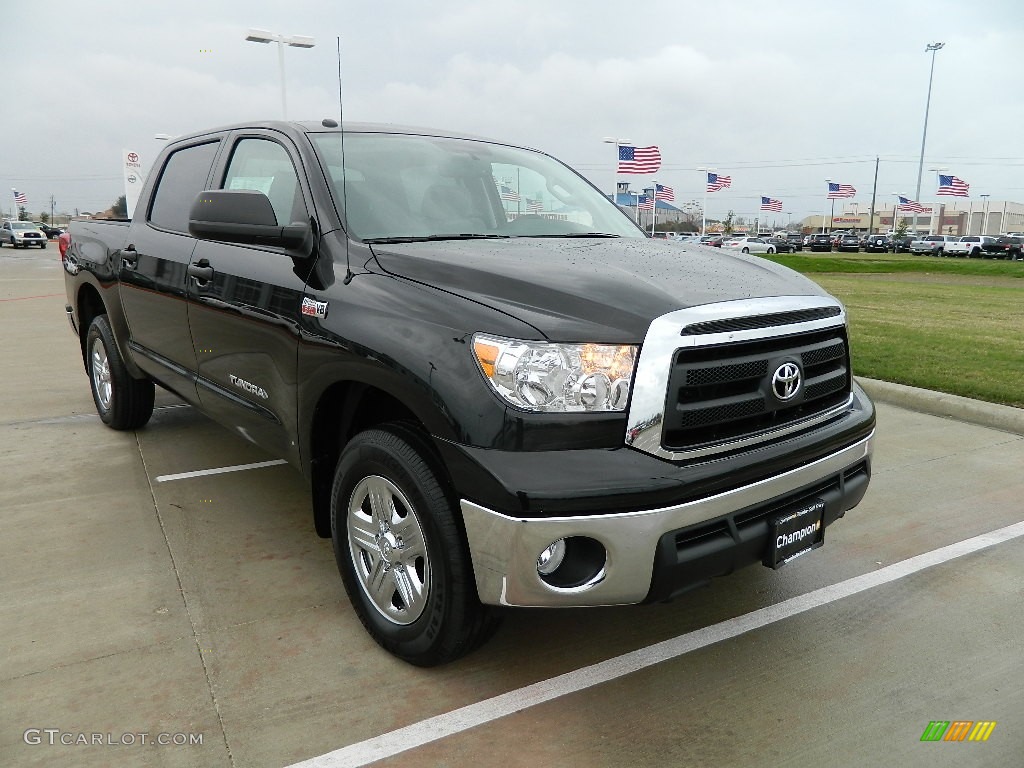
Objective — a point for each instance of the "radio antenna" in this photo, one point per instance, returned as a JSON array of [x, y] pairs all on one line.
[[344, 170]]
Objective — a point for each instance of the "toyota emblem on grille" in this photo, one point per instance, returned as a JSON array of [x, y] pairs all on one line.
[[786, 381]]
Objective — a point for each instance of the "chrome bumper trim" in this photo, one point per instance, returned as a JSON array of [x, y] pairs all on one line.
[[505, 549]]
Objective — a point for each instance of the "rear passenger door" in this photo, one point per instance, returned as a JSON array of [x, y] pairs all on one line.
[[244, 318], [152, 266]]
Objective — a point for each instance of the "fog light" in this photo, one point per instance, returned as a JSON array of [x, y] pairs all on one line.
[[551, 558]]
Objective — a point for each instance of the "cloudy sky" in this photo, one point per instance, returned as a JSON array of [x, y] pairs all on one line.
[[780, 95]]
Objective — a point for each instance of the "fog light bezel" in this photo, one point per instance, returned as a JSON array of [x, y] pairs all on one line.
[[583, 564]]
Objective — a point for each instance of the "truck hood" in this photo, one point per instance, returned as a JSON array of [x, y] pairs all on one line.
[[596, 290]]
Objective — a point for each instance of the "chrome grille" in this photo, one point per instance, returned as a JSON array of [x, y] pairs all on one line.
[[703, 381], [723, 392]]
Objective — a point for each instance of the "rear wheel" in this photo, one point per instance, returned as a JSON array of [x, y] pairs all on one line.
[[400, 550], [745, 250], [121, 401]]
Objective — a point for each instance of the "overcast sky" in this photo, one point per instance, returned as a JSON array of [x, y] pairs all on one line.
[[779, 95]]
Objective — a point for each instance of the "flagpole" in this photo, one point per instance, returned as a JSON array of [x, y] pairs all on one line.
[[654, 206], [704, 207]]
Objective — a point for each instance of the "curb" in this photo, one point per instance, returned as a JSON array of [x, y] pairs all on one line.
[[1002, 417]]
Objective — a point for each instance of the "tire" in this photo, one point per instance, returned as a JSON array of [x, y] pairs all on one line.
[[745, 250], [121, 401], [770, 250], [425, 608], [42, 245]]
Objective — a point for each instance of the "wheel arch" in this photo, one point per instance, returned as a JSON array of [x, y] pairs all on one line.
[[89, 305], [343, 410]]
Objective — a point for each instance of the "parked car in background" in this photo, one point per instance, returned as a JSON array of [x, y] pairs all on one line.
[[50, 232], [848, 243], [821, 242], [715, 241], [1005, 247], [686, 237], [968, 245], [901, 243], [877, 244], [796, 240], [782, 244], [749, 245], [21, 234], [933, 245]]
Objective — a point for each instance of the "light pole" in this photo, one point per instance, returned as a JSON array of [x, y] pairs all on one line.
[[984, 214], [704, 204], [617, 142], [294, 41], [932, 48], [832, 216], [615, 176]]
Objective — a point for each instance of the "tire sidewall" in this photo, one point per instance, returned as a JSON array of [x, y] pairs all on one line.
[[366, 456], [100, 329]]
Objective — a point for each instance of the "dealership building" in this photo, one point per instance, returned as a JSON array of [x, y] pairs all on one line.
[[956, 217]]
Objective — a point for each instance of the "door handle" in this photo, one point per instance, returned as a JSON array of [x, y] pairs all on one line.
[[129, 257], [201, 271]]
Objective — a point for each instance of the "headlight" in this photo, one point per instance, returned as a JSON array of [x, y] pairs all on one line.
[[558, 378]]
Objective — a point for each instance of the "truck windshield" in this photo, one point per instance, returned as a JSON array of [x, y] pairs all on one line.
[[407, 187]]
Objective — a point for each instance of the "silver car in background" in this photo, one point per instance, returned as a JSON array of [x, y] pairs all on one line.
[[748, 245]]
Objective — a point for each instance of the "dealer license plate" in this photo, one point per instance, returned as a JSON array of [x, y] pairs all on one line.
[[794, 533]]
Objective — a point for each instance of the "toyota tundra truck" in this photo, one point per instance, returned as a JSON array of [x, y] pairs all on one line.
[[500, 392]]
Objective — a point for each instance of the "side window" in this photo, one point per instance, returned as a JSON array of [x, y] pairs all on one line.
[[184, 176], [264, 165]]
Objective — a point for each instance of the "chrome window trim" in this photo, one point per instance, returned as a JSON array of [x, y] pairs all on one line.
[[664, 338]]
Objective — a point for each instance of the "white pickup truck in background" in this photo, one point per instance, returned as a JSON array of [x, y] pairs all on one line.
[[971, 246]]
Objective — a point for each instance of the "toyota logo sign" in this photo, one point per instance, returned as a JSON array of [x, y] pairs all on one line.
[[786, 381]]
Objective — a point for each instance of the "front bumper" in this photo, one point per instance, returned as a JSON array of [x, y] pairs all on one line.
[[505, 548]]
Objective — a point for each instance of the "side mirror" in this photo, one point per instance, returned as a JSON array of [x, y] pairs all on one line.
[[242, 216]]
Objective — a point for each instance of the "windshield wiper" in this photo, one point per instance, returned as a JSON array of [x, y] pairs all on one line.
[[576, 234], [431, 238]]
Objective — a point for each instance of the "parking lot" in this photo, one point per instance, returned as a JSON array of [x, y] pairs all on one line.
[[145, 595]]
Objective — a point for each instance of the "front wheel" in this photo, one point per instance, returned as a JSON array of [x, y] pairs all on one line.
[[770, 250], [121, 401], [402, 556]]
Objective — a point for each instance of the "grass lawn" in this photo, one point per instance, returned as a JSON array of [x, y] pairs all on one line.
[[952, 325]]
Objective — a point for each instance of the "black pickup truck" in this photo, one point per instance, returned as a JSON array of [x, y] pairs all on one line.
[[500, 391]]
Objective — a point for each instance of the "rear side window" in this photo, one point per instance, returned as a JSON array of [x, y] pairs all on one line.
[[184, 176]]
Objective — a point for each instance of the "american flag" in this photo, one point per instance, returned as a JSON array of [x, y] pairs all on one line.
[[770, 204], [661, 192], [639, 159], [716, 182], [906, 204], [19, 197], [507, 193], [951, 185], [645, 203], [836, 191], [534, 206]]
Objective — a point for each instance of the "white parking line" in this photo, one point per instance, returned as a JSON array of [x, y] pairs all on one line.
[[219, 470], [456, 721]]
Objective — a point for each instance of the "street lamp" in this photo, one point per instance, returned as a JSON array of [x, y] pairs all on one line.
[[984, 215], [615, 176], [704, 205], [932, 48], [294, 41], [832, 216]]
